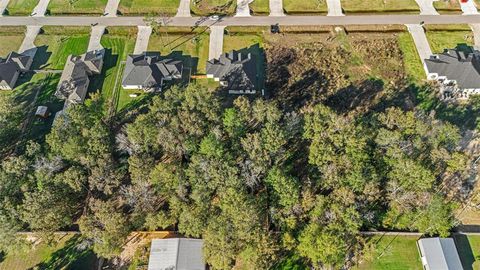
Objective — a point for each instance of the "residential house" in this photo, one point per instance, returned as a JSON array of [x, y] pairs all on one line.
[[11, 68], [73, 85], [439, 254], [176, 254], [458, 72], [148, 71], [236, 72]]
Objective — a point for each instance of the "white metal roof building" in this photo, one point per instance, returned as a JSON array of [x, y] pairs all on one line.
[[176, 254], [439, 254]]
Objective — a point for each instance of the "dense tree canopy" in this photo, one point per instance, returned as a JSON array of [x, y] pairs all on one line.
[[255, 181]]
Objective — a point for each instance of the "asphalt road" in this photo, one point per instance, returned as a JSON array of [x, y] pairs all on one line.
[[245, 21]]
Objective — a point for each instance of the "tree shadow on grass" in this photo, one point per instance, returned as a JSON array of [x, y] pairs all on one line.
[[110, 61], [70, 257]]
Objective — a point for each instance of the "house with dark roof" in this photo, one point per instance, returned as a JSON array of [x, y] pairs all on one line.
[[176, 254], [11, 67], [457, 71], [236, 72], [148, 71], [73, 85], [439, 254]]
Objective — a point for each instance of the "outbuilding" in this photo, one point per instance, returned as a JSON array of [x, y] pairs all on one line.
[[439, 254]]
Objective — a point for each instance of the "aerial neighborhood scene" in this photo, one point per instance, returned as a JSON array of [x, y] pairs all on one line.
[[240, 134]]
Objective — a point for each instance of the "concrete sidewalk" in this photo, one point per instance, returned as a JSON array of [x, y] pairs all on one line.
[[3, 6], [243, 10], [276, 8], [334, 8], [143, 36], [40, 9], [184, 9], [95, 37], [421, 43], [216, 42], [426, 7], [111, 8], [28, 45], [476, 35]]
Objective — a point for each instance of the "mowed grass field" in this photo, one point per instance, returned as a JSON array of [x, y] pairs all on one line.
[[10, 42], [447, 7], [208, 7], [390, 253], [440, 40], [373, 6], [85, 7], [21, 7], [56, 48], [305, 6], [260, 7], [149, 7], [61, 254]]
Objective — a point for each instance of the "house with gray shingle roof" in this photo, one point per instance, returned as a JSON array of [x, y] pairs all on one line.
[[236, 72], [73, 85], [457, 71], [439, 254], [176, 254], [148, 71], [11, 67]]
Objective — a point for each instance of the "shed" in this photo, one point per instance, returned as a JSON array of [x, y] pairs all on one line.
[[42, 111], [176, 254], [439, 254]]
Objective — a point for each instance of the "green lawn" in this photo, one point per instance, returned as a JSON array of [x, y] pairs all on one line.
[[62, 254], [208, 7], [305, 6], [401, 254], [260, 7], [373, 6], [447, 7], [440, 40], [411, 59], [56, 48], [154, 7], [9, 43], [117, 48], [88, 7], [21, 7]]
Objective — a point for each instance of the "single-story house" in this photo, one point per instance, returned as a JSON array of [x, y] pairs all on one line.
[[439, 254], [148, 71], [457, 71], [176, 254], [236, 72], [73, 85], [11, 67]]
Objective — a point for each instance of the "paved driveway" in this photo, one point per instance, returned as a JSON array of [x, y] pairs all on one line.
[[243, 10], [421, 42], [426, 7], [41, 8], [30, 36], [184, 9], [95, 37], [468, 8], [111, 8], [3, 6], [476, 35], [334, 8], [276, 8], [143, 36], [216, 42]]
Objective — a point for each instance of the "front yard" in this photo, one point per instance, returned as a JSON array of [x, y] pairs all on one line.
[[383, 6], [10, 40], [208, 7], [85, 7], [441, 38], [21, 7], [305, 6], [148, 7]]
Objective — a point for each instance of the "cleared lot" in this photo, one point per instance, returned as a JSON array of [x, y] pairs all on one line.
[[149, 7], [373, 6]]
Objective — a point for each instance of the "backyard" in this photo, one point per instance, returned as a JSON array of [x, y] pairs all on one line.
[[208, 7], [63, 252], [85, 7], [21, 7], [372, 6], [149, 7], [305, 6], [391, 253]]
